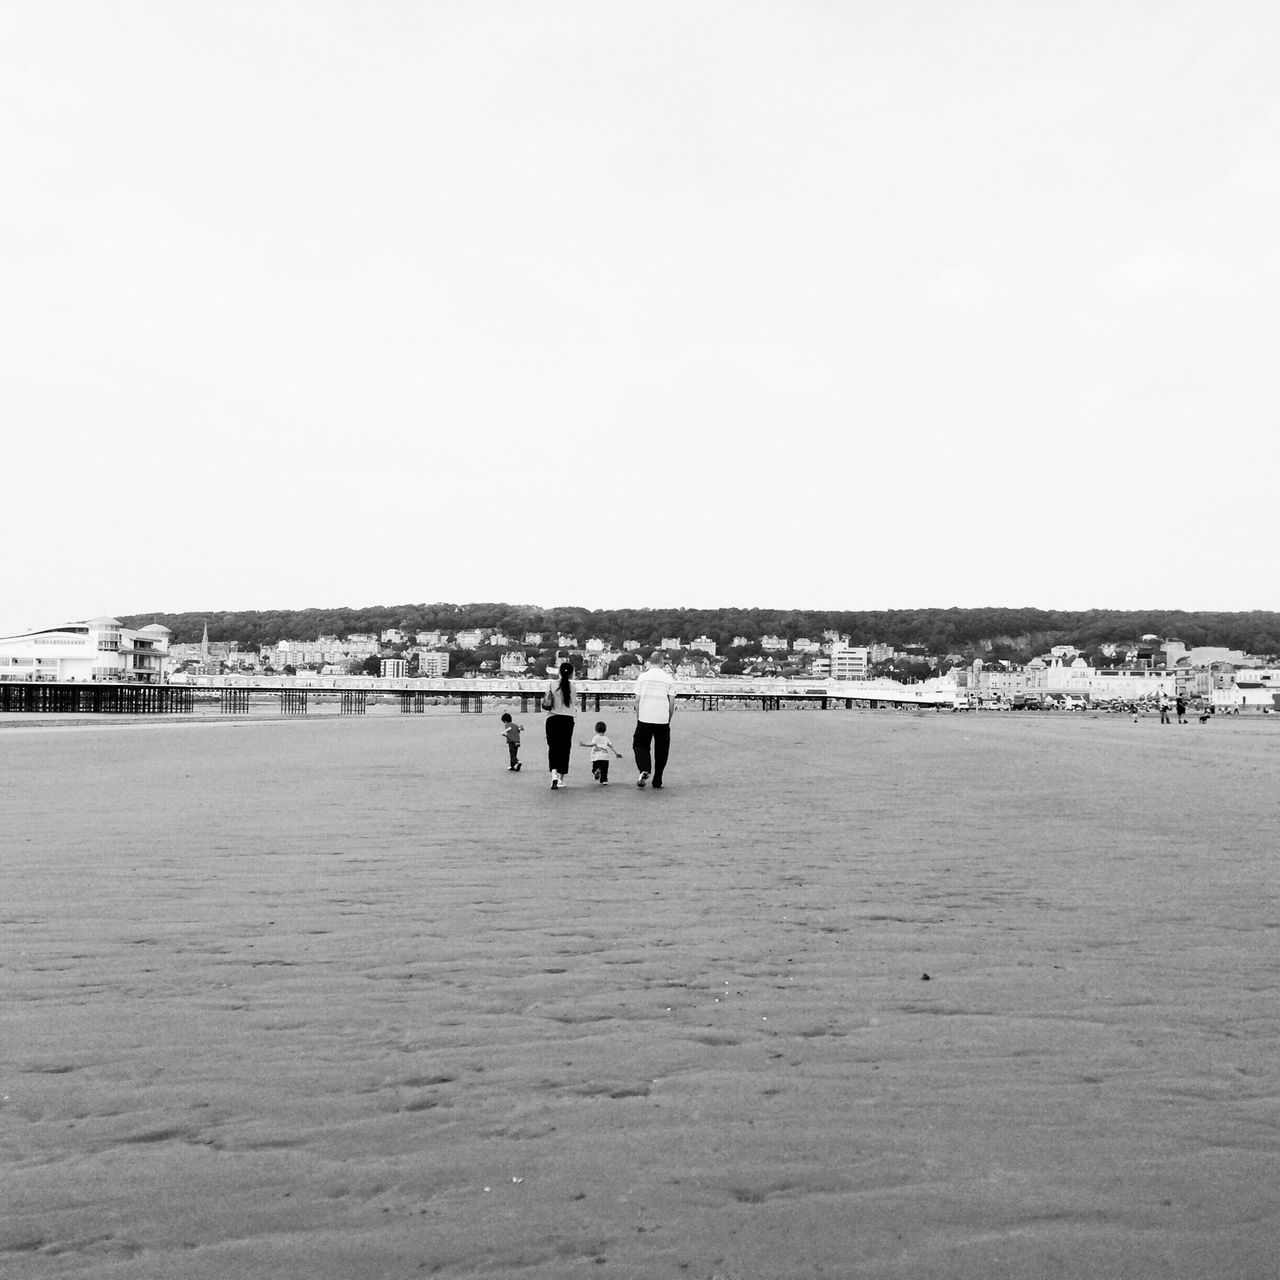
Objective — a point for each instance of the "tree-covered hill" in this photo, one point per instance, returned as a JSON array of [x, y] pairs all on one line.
[[940, 631]]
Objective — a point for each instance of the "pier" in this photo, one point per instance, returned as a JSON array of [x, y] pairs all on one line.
[[297, 696], [105, 698]]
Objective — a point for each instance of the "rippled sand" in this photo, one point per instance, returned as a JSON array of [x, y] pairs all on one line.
[[859, 994]]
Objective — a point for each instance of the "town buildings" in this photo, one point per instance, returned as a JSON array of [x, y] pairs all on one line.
[[1122, 672]]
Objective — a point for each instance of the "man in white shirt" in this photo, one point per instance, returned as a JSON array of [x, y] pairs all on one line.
[[655, 705]]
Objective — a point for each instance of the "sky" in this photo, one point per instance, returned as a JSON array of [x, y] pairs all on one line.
[[808, 304]]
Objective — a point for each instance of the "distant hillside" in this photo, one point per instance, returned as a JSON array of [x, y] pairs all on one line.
[[1000, 632]]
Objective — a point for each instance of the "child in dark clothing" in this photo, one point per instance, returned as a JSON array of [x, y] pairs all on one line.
[[512, 731]]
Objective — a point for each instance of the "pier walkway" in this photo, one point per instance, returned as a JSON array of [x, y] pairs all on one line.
[[295, 696]]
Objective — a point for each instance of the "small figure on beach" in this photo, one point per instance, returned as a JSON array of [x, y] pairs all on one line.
[[557, 702], [512, 731], [1180, 705], [655, 705], [1164, 710], [601, 749]]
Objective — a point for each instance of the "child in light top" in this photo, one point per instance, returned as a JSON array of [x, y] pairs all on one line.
[[601, 749], [512, 731]]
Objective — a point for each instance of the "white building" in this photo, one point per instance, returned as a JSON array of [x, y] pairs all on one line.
[[394, 668], [99, 649], [850, 662], [773, 644], [1206, 655], [1257, 690], [307, 653], [393, 635], [513, 662], [1002, 684], [468, 639], [295, 653], [1269, 676], [433, 662], [704, 644], [1108, 684]]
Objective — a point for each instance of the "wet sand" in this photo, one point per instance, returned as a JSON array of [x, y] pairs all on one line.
[[348, 1000]]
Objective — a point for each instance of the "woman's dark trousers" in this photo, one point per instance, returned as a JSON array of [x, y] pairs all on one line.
[[559, 743]]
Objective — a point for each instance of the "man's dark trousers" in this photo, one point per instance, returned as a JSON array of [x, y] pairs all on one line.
[[660, 736]]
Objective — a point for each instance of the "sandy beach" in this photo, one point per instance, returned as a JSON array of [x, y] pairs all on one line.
[[857, 995]]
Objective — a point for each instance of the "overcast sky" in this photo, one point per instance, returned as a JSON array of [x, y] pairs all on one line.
[[845, 305]]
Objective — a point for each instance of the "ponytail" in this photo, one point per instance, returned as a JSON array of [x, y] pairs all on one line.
[[566, 689]]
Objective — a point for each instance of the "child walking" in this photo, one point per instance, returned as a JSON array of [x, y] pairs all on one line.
[[512, 731], [600, 749]]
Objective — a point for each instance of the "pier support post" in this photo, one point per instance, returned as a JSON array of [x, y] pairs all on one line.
[[293, 702], [233, 701]]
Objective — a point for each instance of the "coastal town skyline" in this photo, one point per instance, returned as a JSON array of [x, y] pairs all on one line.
[[108, 663], [629, 304]]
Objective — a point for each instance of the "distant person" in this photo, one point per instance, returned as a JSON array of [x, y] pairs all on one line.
[[655, 705], [557, 702], [1164, 710], [512, 731], [1205, 713], [1180, 704], [601, 750]]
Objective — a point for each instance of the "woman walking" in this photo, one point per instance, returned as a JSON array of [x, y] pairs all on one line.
[[557, 702]]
